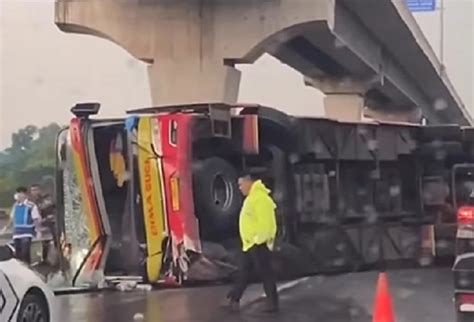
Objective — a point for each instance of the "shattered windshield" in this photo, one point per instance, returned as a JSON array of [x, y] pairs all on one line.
[[75, 240]]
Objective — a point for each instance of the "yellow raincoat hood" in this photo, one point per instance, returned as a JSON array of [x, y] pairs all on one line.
[[257, 219]]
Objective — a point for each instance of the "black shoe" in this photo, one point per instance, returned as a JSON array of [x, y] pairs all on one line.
[[233, 306], [270, 307]]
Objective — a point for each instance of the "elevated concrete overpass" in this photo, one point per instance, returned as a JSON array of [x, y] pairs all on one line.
[[367, 56]]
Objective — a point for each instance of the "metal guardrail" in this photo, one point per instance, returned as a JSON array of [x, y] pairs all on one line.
[[8, 237], [36, 245]]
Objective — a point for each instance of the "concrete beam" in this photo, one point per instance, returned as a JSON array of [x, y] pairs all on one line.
[[342, 85], [414, 115], [354, 35], [192, 45], [394, 24]]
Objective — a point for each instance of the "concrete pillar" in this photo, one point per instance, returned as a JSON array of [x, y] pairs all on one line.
[[344, 107], [192, 45], [188, 81], [344, 99]]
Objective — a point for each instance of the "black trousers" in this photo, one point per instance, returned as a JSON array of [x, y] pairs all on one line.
[[52, 229], [258, 257], [23, 249]]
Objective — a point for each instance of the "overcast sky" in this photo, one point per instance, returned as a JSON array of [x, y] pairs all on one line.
[[44, 71]]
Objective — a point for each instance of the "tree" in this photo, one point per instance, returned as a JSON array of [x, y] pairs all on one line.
[[29, 159], [21, 141]]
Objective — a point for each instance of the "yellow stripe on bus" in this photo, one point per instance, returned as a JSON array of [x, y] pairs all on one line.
[[152, 198]]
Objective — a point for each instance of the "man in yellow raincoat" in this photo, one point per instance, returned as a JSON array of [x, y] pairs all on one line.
[[257, 226]]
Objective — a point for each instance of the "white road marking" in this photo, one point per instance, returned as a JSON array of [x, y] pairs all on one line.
[[284, 287]]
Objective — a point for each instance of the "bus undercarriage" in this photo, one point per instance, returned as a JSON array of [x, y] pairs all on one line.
[[155, 194]]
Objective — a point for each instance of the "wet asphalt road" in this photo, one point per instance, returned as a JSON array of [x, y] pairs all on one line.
[[419, 296]]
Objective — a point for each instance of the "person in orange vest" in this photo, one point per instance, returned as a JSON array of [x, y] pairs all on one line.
[[258, 228]]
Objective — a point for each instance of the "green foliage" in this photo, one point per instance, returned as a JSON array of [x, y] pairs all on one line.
[[30, 159]]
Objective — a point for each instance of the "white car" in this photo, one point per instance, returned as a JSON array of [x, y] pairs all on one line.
[[24, 297]]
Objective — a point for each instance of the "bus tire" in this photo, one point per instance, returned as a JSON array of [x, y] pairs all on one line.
[[217, 196]]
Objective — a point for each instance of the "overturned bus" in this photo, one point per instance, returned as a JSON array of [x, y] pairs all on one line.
[[155, 194]]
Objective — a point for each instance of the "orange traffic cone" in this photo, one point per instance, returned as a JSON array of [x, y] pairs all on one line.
[[383, 310]]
